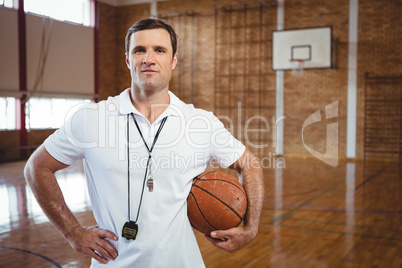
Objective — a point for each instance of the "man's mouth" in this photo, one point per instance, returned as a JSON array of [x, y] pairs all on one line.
[[148, 71]]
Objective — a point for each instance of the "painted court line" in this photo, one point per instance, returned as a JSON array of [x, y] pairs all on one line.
[[33, 253], [370, 178], [336, 209], [308, 201], [343, 233], [347, 225], [333, 240]]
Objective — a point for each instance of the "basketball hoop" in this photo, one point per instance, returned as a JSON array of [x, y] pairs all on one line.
[[298, 67]]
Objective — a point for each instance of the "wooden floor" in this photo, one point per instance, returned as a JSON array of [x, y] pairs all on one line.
[[314, 215]]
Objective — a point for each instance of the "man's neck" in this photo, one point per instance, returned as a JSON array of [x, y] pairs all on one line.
[[149, 103]]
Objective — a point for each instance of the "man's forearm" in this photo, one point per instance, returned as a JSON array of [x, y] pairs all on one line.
[[254, 185], [49, 196], [236, 238], [39, 173]]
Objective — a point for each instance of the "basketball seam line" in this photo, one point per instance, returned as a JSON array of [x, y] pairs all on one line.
[[220, 201], [224, 181], [202, 175], [202, 214]]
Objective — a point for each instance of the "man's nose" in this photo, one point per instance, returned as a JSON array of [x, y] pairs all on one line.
[[149, 58]]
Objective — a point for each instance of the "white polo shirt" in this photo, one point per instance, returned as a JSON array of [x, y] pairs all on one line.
[[190, 139]]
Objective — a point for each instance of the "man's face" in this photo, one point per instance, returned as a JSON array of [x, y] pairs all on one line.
[[150, 59]]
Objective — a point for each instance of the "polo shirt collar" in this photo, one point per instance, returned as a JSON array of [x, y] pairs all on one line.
[[126, 107]]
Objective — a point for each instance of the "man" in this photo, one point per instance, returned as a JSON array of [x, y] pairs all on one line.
[[140, 151]]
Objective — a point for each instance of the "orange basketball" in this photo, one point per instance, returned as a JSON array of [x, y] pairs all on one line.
[[217, 201]]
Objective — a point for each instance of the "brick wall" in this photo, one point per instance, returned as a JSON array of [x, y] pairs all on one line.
[[316, 88], [107, 42], [379, 49], [216, 62]]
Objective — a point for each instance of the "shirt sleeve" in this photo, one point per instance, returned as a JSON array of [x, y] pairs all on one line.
[[226, 149], [68, 143]]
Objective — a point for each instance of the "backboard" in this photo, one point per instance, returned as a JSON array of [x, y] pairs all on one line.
[[312, 46]]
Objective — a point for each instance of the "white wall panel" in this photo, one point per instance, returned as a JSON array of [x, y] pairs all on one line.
[[9, 78], [69, 67]]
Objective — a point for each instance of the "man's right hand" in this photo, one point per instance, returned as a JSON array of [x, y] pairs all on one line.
[[91, 241]]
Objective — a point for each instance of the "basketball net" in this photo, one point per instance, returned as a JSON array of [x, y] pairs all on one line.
[[298, 67]]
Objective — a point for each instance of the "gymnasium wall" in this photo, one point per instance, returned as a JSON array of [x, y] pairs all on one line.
[[200, 76], [108, 57], [316, 88], [380, 55], [196, 77], [68, 52], [54, 49], [10, 149], [213, 72]]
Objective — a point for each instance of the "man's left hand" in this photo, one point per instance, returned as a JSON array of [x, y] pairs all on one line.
[[232, 239]]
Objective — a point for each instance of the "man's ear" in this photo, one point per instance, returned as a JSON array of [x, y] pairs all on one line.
[[174, 62], [127, 61]]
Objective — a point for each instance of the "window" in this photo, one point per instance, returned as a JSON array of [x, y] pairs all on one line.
[[7, 114], [49, 113], [77, 11], [6, 3]]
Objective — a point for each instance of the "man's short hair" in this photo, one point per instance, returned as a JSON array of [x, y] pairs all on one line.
[[149, 24]]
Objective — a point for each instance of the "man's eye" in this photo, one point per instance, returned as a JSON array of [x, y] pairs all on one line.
[[140, 50], [160, 51]]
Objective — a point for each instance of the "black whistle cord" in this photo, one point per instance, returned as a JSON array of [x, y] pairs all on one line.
[[149, 159]]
